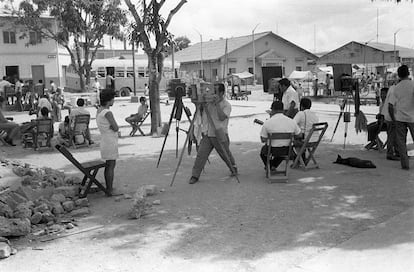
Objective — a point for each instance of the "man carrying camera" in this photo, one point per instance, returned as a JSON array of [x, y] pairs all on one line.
[[214, 133]]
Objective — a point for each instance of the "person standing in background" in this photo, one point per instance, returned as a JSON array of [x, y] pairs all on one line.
[[109, 142], [18, 87]]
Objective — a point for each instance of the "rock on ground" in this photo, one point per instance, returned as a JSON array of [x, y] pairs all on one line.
[[14, 227]]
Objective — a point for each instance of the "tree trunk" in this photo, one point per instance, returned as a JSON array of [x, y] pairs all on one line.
[[81, 79], [154, 94]]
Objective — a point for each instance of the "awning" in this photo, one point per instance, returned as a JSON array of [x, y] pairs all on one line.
[[300, 75], [243, 75]]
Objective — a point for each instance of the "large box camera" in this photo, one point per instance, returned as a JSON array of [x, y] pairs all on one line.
[[176, 88], [203, 92]]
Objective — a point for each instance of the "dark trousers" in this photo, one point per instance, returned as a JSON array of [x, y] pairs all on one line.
[[19, 105], [373, 130], [401, 133], [391, 140], [207, 144], [276, 152]]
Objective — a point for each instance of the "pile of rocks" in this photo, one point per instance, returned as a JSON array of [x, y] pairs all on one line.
[[140, 203], [44, 197]]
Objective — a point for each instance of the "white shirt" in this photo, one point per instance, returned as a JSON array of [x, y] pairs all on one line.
[[288, 96], [43, 102], [305, 119], [3, 84], [96, 86], [212, 109], [279, 123], [403, 101]]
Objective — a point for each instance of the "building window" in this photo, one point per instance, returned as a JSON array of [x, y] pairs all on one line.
[[250, 70], [201, 74], [232, 71], [214, 72], [34, 38], [9, 37], [298, 68]]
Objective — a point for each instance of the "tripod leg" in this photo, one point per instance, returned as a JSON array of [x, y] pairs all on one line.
[[345, 133], [336, 126], [166, 134], [177, 130]]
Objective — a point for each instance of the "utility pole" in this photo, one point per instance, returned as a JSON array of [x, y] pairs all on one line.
[[201, 54], [254, 55], [395, 51]]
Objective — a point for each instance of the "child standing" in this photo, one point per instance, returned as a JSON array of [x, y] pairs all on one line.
[[109, 137]]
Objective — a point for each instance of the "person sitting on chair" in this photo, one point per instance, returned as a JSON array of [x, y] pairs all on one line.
[[80, 110], [305, 119], [376, 127], [142, 109], [277, 123], [9, 130], [63, 135]]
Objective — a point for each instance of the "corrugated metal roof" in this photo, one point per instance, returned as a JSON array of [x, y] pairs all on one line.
[[404, 52], [215, 49]]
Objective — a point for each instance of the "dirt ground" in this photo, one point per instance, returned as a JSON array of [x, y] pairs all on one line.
[[219, 224]]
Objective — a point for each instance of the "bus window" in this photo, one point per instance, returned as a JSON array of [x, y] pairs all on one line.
[[141, 71], [119, 72], [101, 71], [130, 72]]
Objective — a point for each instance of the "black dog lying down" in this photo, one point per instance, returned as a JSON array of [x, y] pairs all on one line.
[[355, 162]]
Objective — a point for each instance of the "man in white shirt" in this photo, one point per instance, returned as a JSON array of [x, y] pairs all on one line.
[[306, 118], [278, 122], [401, 109], [79, 110], [290, 98], [3, 84]]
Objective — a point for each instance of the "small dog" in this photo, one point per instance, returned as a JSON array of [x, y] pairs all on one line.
[[355, 162]]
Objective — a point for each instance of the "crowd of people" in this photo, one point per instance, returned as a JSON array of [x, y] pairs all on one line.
[[289, 114]]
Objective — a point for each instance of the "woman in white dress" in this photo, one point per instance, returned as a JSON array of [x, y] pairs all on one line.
[[109, 137]]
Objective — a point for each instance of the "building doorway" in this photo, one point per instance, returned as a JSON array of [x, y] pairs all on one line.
[[12, 73], [38, 73]]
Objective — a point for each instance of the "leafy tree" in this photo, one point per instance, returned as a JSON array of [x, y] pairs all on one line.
[[181, 43], [79, 26], [150, 30]]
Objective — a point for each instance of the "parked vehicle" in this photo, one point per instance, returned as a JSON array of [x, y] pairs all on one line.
[[122, 71]]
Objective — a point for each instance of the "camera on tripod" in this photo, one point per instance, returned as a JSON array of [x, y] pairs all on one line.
[[176, 88], [204, 92]]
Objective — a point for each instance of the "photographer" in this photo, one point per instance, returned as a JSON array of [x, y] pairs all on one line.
[[214, 135]]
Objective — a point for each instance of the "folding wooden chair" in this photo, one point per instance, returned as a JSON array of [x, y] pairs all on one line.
[[278, 175], [137, 125], [309, 146], [89, 169], [40, 135], [79, 128]]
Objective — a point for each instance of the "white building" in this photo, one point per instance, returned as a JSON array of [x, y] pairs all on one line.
[[29, 56]]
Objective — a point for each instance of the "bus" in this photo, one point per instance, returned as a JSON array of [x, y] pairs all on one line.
[[122, 70]]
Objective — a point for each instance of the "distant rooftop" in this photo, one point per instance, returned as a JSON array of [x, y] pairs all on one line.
[[404, 52], [215, 49]]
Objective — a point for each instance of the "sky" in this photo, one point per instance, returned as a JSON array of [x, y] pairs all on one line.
[[315, 25]]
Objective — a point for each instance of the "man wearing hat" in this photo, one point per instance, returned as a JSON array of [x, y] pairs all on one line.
[[277, 123]]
